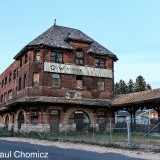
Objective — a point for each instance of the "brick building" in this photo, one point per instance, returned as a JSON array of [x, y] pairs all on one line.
[[61, 75]]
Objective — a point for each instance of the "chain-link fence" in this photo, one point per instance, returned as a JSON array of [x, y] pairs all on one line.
[[144, 132]]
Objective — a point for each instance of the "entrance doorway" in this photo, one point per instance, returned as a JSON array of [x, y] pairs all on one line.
[[81, 119], [54, 120], [20, 119], [102, 120], [7, 122]]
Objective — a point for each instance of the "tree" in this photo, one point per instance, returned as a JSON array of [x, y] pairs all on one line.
[[116, 89], [148, 87], [131, 86], [140, 84], [123, 87]]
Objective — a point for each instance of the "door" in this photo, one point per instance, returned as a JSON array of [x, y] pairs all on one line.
[[54, 120], [102, 121], [79, 117]]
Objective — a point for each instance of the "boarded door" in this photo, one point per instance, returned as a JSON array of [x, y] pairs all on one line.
[[79, 117], [54, 121]]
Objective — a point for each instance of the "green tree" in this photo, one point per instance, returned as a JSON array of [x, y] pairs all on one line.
[[148, 87], [140, 84], [123, 87], [130, 86], [116, 89]]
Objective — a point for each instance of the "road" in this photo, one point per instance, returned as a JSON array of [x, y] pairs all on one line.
[[19, 150]]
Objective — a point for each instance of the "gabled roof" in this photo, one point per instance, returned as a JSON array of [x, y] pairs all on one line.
[[59, 37], [137, 98]]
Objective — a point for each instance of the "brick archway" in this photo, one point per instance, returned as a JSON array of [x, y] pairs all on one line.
[[21, 110], [86, 110]]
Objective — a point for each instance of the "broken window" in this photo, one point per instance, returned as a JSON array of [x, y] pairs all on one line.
[[79, 82], [15, 74], [5, 81], [5, 97]]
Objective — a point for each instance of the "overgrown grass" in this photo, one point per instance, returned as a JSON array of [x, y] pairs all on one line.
[[118, 140]]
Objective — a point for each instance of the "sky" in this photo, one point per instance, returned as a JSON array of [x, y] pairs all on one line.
[[128, 28]]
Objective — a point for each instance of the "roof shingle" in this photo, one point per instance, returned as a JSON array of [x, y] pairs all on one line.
[[58, 37], [137, 97]]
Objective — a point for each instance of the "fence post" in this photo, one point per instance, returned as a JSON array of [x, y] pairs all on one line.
[[110, 131], [129, 131], [93, 134], [65, 125]]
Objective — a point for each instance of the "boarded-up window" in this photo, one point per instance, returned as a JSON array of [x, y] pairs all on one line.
[[37, 56], [79, 82], [10, 94], [36, 79], [56, 80], [34, 116], [100, 85]]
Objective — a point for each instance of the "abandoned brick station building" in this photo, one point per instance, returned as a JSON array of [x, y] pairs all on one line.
[[61, 75]]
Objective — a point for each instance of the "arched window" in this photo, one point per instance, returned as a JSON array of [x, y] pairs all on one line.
[[79, 57]]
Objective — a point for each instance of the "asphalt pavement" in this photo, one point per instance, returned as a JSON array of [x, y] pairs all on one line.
[[10, 150]]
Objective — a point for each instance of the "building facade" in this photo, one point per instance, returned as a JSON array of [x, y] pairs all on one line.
[[61, 75]]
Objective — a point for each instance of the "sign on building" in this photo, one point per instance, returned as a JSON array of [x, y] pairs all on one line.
[[77, 70]]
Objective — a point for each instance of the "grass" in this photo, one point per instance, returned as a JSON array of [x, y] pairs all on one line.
[[119, 140]]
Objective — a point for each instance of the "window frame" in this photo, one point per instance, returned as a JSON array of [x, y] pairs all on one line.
[[99, 86], [98, 65], [34, 82], [56, 80], [24, 81], [79, 82], [37, 56], [79, 58], [56, 53], [26, 58]]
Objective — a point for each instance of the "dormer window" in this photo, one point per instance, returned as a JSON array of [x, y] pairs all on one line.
[[36, 55], [99, 62], [79, 57], [56, 57]]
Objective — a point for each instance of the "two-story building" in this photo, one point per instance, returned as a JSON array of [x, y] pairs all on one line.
[[63, 74]]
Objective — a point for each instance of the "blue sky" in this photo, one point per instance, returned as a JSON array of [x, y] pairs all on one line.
[[129, 28]]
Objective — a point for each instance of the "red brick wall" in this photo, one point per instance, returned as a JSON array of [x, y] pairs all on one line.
[[68, 82]]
